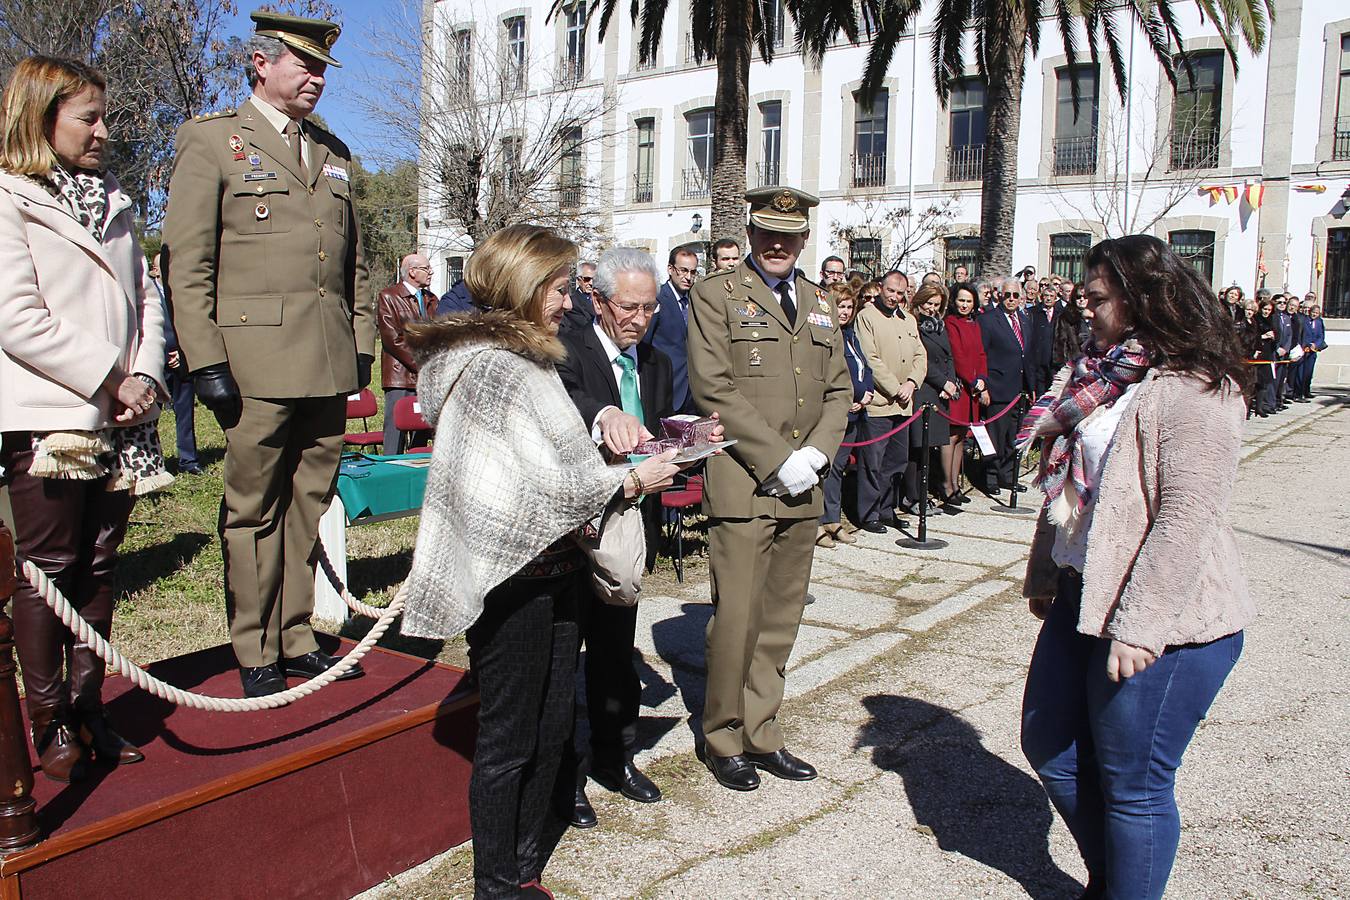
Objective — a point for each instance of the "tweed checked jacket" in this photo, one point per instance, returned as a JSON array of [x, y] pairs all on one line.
[[513, 467]]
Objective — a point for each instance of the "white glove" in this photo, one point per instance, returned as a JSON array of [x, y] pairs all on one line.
[[818, 460], [797, 474]]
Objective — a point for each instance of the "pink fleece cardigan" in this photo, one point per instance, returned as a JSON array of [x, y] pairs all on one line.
[[1162, 565]]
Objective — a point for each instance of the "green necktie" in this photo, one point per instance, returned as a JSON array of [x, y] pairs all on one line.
[[628, 392], [628, 388]]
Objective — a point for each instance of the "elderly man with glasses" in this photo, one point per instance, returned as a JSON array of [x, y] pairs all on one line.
[[1005, 331], [406, 300], [622, 388]]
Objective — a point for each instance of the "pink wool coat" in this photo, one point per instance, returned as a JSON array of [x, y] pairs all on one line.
[[1162, 565], [70, 308]]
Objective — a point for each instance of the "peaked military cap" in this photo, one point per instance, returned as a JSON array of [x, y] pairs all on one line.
[[312, 37], [782, 209]]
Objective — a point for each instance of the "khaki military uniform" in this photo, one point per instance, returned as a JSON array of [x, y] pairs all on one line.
[[778, 388], [264, 271]]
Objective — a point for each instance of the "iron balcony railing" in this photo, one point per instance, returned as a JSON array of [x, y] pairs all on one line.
[[642, 187], [1075, 155], [1340, 146], [767, 173], [569, 195], [1196, 149], [571, 70], [965, 163], [697, 184], [869, 169]]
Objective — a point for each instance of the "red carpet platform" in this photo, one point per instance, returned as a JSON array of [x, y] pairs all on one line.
[[321, 799]]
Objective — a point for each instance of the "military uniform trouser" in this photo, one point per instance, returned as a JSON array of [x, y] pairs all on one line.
[[281, 462], [760, 571]]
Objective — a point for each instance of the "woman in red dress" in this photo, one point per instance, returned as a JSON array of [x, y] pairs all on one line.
[[971, 369]]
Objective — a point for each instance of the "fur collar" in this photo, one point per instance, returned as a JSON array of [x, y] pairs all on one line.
[[501, 328]]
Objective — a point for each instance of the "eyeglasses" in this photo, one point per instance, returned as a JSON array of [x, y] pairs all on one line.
[[586, 278], [632, 309], [419, 268], [1014, 294], [681, 270]]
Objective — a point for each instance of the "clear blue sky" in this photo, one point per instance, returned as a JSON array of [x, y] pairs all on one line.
[[338, 106]]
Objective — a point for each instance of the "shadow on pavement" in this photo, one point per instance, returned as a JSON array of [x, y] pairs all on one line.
[[679, 641], [973, 802]]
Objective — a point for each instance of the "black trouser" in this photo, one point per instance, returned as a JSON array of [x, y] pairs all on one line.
[[185, 417], [523, 652], [71, 530], [613, 689], [1003, 433], [882, 462], [855, 431]]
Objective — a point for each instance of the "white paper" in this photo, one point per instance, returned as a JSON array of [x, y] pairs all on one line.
[[982, 438]]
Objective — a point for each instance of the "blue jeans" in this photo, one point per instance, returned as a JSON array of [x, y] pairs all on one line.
[[1106, 752]]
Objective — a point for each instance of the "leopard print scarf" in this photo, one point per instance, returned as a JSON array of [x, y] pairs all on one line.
[[84, 195], [130, 457]]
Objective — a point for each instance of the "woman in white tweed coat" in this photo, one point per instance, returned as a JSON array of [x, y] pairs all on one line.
[[514, 472]]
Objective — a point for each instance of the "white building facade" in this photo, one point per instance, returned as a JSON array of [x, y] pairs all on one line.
[[1247, 173]]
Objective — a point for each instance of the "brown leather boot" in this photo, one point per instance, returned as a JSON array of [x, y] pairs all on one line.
[[59, 750]]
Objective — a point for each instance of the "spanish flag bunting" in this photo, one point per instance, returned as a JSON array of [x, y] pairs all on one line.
[[1311, 188], [1321, 263], [1215, 192], [1230, 191], [1256, 192]]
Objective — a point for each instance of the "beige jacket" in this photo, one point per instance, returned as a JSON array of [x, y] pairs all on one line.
[[70, 308], [895, 353], [1162, 566]]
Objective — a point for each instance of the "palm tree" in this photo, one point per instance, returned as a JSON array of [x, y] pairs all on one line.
[[727, 31], [1002, 30]]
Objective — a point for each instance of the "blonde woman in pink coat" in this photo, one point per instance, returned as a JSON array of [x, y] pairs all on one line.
[[81, 369]]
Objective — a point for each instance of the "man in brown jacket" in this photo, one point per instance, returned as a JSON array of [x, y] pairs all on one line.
[[404, 301], [274, 320], [890, 339], [766, 353]]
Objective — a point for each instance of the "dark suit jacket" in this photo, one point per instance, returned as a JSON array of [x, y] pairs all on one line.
[[456, 299], [669, 333], [588, 376], [1040, 350], [582, 313], [1008, 365]]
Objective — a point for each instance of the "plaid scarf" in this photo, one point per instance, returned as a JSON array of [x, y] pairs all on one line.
[[1097, 379]]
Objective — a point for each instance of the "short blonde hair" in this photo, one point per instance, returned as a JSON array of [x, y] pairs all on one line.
[[511, 268], [927, 292], [38, 86]]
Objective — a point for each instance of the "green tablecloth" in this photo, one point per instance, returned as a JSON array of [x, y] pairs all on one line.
[[380, 485]]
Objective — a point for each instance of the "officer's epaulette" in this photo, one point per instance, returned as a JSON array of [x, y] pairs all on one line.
[[218, 114]]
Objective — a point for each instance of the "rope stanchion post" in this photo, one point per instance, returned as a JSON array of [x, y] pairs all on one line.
[[18, 809], [922, 542]]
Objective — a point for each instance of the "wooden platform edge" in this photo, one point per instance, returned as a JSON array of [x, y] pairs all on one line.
[[222, 787]]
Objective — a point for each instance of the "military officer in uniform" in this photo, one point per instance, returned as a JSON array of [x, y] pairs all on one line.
[[275, 321], [766, 352]]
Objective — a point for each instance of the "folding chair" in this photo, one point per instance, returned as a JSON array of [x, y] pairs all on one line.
[[362, 406], [407, 419], [680, 499]]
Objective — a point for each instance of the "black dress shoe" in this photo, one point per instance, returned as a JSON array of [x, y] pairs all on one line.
[[581, 814], [190, 469], [1015, 488], [259, 681], [782, 764], [316, 662], [895, 522], [873, 527], [733, 772], [629, 781]]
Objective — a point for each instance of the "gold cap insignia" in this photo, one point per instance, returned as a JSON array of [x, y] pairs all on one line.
[[785, 201]]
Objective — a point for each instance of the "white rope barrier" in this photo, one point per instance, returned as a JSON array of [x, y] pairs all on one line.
[[147, 682]]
